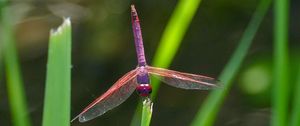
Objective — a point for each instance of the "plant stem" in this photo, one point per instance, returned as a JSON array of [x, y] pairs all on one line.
[[295, 121], [280, 92], [207, 113], [146, 112]]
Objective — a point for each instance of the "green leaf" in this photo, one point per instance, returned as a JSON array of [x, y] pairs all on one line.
[[207, 113], [58, 81], [15, 89]]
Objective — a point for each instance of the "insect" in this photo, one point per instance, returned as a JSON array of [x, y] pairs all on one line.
[[138, 79]]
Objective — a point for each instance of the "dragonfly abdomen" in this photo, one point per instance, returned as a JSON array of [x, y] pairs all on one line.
[[144, 88]]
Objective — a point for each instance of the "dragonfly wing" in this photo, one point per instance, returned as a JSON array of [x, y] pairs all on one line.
[[116, 95], [183, 80]]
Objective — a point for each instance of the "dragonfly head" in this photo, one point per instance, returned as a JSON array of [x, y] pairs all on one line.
[[144, 90]]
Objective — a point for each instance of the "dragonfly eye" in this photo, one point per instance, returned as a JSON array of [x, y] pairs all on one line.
[[144, 90]]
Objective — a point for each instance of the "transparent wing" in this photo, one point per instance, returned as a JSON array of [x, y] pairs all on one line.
[[183, 80], [115, 95]]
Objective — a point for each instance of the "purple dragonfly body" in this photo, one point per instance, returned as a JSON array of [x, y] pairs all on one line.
[[144, 87], [138, 79]]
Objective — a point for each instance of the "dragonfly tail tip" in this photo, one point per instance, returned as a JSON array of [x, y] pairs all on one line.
[[132, 8]]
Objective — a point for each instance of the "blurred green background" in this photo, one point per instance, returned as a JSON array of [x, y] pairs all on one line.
[[103, 50]]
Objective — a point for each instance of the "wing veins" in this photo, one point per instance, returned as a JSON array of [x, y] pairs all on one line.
[[109, 92], [182, 76]]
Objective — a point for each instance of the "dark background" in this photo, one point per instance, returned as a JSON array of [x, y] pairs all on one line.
[[103, 50]]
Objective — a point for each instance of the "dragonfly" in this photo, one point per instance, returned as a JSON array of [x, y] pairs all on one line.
[[138, 79]]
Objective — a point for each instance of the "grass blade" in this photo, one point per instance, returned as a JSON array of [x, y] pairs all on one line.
[[295, 119], [146, 112], [207, 113], [15, 89], [170, 42], [58, 81], [280, 90], [1, 45], [173, 35]]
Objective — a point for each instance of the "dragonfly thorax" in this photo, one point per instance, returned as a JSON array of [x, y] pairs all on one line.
[[144, 90]]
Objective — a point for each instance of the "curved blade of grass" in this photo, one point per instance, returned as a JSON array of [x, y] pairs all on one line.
[[147, 112], [15, 89], [173, 35], [207, 113], [280, 90], [58, 81], [169, 43]]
